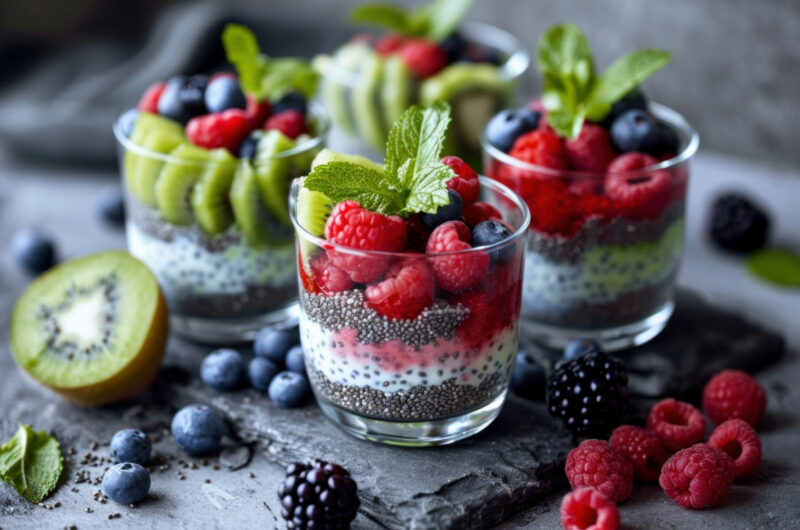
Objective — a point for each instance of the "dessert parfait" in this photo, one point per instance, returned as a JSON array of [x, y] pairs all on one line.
[[410, 283], [426, 55], [604, 173], [206, 163]]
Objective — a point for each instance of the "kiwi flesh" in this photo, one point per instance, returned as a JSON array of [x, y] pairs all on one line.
[[176, 181], [273, 174], [326, 155], [366, 99], [154, 133], [92, 329], [252, 218], [211, 193], [396, 89]]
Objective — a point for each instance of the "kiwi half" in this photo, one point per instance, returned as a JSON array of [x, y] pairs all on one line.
[[210, 196], [252, 218], [176, 181], [273, 174], [92, 329]]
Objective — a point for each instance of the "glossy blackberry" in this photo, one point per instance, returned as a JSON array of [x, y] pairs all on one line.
[[738, 225], [318, 495], [589, 394]]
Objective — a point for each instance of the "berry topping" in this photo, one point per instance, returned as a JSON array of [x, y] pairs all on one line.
[[528, 378], [257, 111], [447, 212], [226, 129], [491, 232], [589, 394], [676, 423], [455, 272], [591, 150], [734, 394], [742, 444], [291, 101], [131, 445], [637, 196], [249, 146], [642, 448], [595, 464], [260, 372], [406, 291], [222, 369], [149, 101], [580, 347], [635, 99], [636, 130], [737, 224], [318, 495], [329, 278], [668, 142], [697, 477], [552, 206], [418, 233], [479, 211], [223, 93], [291, 123], [454, 46], [506, 126], [466, 182], [423, 57], [289, 390], [542, 148], [588, 509], [183, 98], [389, 43], [628, 162]]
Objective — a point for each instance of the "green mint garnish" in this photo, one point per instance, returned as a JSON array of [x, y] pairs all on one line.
[[262, 76], [415, 179], [571, 90], [31, 462], [435, 20], [778, 267]]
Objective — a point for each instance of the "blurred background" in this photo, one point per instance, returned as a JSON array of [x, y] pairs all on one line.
[[69, 67]]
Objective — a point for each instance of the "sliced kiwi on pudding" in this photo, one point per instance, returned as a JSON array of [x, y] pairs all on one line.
[[155, 133], [339, 76], [252, 218], [176, 181], [396, 88], [273, 174], [326, 155], [211, 194], [366, 101], [92, 329]]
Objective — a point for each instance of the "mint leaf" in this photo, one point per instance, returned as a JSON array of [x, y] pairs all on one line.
[[341, 181], [625, 74], [417, 136], [244, 53], [429, 189], [444, 17], [288, 74], [778, 267], [383, 15], [435, 21], [31, 462]]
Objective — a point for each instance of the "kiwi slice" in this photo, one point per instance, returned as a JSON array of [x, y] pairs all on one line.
[[301, 162], [326, 155], [92, 329], [252, 217], [273, 174], [210, 196], [339, 75], [396, 89], [176, 180], [154, 133], [366, 98]]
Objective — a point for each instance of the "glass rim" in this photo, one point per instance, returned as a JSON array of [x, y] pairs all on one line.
[[316, 111], [519, 232], [662, 112]]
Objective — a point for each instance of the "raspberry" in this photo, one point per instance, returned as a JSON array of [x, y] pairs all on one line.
[[292, 123], [306, 280], [352, 226], [734, 394], [637, 195], [643, 448], [542, 148], [553, 207], [466, 182], [479, 211], [257, 111], [406, 291], [328, 277], [697, 477], [389, 43], [418, 233], [676, 423], [631, 162], [149, 101], [588, 509], [741, 442], [592, 205], [455, 272], [488, 312], [226, 129], [595, 464], [423, 57], [591, 150]]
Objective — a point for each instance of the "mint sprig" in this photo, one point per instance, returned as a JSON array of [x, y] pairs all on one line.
[[415, 179], [571, 90], [435, 20], [31, 462]]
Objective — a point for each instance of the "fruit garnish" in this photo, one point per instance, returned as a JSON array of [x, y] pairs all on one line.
[[149, 101], [435, 20], [31, 462], [406, 291], [455, 272]]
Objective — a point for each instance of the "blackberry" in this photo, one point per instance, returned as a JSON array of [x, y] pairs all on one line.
[[738, 225], [318, 495], [589, 394]]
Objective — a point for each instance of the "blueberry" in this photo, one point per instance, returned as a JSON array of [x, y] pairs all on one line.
[[635, 130], [635, 99], [448, 212], [261, 371], [289, 390], [454, 46], [250, 146], [273, 343], [291, 101], [197, 429], [33, 251], [222, 369], [295, 360], [127, 121], [126, 483], [579, 348], [528, 378], [183, 98], [737, 224], [224, 93], [668, 140], [111, 206], [490, 232], [131, 446], [508, 125]]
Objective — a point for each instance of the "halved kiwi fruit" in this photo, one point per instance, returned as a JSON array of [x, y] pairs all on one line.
[[92, 329], [273, 174], [211, 194], [252, 218], [176, 181]]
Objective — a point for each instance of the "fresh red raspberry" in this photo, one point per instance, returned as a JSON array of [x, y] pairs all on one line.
[[479, 211], [553, 208], [741, 442], [257, 111], [328, 277], [407, 289], [389, 44], [423, 57], [352, 226], [487, 314], [676, 423], [418, 233], [226, 129], [637, 195], [292, 123], [697, 477], [734, 394], [591, 150], [306, 279], [595, 464], [588, 509], [595, 205], [633, 161], [149, 101], [466, 182], [458, 271], [542, 148], [644, 450]]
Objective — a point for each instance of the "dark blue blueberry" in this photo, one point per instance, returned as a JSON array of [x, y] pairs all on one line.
[[291, 101], [183, 98], [197, 429], [111, 206], [131, 446], [128, 120], [668, 140], [528, 378], [261, 371], [222, 369], [295, 360], [33, 251], [273, 343], [491, 232], [454, 46], [126, 483], [579, 348], [448, 212], [738, 224], [250, 146], [224, 93], [635, 130], [635, 99], [289, 390], [505, 127]]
